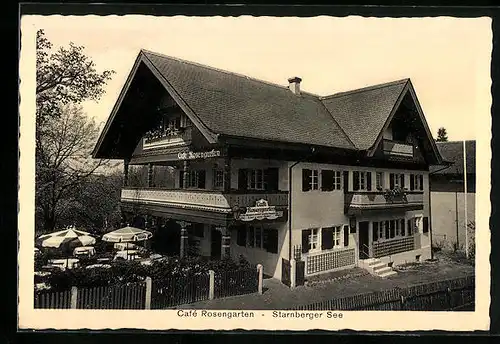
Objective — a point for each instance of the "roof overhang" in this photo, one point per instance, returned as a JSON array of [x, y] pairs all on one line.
[[143, 59], [408, 89]]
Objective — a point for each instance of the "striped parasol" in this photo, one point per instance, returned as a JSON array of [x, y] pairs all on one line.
[[67, 238], [127, 234]]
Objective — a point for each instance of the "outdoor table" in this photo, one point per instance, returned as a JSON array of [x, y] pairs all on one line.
[[127, 254], [107, 266], [65, 263], [122, 246], [84, 251]]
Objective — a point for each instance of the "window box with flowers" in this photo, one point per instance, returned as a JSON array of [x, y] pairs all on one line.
[[396, 195]]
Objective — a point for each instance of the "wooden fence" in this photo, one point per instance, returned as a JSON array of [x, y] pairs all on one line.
[[179, 290], [450, 295], [158, 294], [237, 282], [128, 296]]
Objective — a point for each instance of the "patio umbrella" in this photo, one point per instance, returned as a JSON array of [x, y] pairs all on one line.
[[67, 238], [127, 234]]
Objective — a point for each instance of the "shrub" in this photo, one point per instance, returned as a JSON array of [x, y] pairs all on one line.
[[132, 271]]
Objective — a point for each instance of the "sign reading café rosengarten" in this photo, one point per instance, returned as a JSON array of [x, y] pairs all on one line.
[[198, 155]]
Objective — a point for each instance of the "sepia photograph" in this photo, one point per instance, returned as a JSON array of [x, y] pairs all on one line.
[[254, 172]]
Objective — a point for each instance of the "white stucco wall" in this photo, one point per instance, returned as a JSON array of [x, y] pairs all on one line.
[[447, 207]]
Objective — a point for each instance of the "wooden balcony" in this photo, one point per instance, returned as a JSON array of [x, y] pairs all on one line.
[[168, 139], [205, 200], [395, 148], [359, 201]]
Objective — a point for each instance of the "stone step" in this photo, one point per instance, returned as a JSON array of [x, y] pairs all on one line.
[[388, 274], [374, 262], [382, 270], [378, 266]]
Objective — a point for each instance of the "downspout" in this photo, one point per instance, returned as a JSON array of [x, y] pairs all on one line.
[[290, 205], [290, 209]]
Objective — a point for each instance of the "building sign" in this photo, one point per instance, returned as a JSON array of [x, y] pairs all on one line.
[[260, 211], [198, 155]]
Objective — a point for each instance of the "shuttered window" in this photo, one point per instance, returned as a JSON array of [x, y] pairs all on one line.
[[327, 238], [305, 240], [270, 240], [346, 235], [241, 235], [425, 225], [362, 181], [310, 179]]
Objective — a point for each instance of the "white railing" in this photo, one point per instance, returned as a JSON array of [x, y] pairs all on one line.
[[201, 199], [168, 140], [330, 260]]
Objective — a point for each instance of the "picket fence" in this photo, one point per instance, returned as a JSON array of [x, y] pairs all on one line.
[[158, 294], [449, 295]]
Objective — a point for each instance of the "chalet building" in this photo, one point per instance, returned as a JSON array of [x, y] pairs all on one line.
[[448, 197], [274, 173]]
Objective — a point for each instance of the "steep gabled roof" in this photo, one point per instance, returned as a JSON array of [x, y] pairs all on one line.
[[362, 113], [453, 152], [236, 105], [221, 103]]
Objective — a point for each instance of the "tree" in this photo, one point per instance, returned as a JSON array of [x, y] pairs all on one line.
[[64, 163], [442, 136], [65, 136], [64, 77]]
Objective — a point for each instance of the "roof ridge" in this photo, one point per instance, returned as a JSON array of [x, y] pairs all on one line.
[[269, 83], [338, 125], [454, 141], [367, 88]]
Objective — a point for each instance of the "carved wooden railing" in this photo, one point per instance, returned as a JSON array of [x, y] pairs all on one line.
[[203, 199]]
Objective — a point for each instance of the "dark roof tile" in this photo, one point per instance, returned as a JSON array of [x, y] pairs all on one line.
[[453, 152]]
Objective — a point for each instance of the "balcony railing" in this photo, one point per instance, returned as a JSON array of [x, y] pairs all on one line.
[[372, 200], [393, 246], [330, 260], [396, 148], [167, 138], [210, 200]]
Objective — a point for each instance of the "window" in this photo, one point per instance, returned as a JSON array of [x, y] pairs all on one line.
[[362, 181], [389, 229], [310, 179], [196, 179], [172, 125], [258, 237], [241, 236], [396, 180], [258, 179], [314, 239], [251, 238], [417, 224], [336, 236], [417, 182], [218, 179], [330, 180], [255, 179], [270, 240], [379, 180]]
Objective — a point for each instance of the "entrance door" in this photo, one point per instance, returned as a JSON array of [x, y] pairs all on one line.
[[364, 249], [216, 244]]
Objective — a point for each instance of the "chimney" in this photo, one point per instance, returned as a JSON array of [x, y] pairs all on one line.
[[294, 84]]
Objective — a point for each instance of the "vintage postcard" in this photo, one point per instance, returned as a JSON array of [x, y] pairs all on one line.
[[267, 173]]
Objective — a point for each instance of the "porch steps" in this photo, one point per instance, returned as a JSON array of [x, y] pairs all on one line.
[[378, 268]]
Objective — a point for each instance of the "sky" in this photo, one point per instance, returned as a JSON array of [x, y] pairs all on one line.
[[447, 59]]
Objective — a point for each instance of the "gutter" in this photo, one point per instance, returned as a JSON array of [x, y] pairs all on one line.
[[290, 205]]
